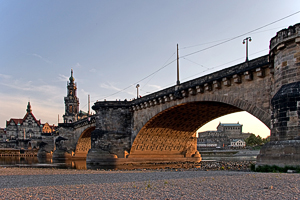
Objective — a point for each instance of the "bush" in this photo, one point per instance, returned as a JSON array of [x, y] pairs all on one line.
[[252, 167], [273, 168]]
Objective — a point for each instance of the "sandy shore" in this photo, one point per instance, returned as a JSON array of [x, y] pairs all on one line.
[[36, 183]]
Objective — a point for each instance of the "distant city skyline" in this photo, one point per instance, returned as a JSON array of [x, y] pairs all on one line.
[[115, 45]]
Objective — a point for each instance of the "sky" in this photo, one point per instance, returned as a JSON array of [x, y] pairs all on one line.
[[113, 45]]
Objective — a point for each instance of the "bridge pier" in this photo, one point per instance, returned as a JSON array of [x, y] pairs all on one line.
[[284, 148], [110, 140]]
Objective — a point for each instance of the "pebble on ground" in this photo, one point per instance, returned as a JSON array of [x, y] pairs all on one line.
[[36, 183]]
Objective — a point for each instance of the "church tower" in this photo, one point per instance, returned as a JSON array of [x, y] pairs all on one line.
[[71, 101]]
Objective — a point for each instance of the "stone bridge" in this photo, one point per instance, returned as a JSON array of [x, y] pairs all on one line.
[[74, 140], [161, 127]]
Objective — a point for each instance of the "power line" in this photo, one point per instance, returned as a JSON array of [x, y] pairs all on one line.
[[195, 63], [239, 35], [155, 74], [170, 84], [228, 40], [196, 45], [141, 79]]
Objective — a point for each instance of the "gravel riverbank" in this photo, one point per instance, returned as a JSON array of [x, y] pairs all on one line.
[[37, 183]]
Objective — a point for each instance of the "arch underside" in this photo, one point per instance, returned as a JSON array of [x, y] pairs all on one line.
[[172, 133], [84, 142]]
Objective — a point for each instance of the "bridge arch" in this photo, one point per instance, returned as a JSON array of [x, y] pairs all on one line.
[[83, 144], [172, 131]]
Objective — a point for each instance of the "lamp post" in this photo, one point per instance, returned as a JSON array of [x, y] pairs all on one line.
[[137, 90], [246, 39], [177, 82]]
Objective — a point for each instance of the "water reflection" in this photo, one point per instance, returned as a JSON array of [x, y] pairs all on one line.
[[18, 161]]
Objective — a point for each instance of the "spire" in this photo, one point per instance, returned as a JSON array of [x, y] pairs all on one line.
[[71, 77], [28, 107]]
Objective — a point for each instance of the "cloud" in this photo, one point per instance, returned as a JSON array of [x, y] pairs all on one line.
[[5, 76], [155, 86], [93, 70], [78, 65], [44, 59], [62, 77], [14, 106], [109, 86], [36, 88], [82, 91]]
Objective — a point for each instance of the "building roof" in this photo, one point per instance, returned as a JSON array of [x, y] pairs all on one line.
[[230, 124], [235, 140], [47, 124], [20, 121]]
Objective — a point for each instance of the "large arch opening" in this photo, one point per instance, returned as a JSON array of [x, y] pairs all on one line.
[[172, 132], [250, 123], [84, 143]]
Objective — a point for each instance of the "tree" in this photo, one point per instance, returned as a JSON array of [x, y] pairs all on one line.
[[253, 140], [266, 140], [259, 141]]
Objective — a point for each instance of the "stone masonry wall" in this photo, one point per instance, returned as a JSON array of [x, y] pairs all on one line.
[[285, 54], [113, 128]]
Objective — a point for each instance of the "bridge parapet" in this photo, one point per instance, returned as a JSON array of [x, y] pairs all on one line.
[[110, 104], [283, 36], [207, 83], [80, 123], [214, 81]]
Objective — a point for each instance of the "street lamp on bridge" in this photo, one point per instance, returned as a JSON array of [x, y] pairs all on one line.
[[137, 90], [246, 39]]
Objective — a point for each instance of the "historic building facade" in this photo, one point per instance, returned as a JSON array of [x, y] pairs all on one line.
[[47, 128], [223, 136], [239, 143], [26, 132], [27, 127]]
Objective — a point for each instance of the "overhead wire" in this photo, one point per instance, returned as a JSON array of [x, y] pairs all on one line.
[[155, 73], [141, 79], [170, 84], [196, 45], [189, 54], [201, 50]]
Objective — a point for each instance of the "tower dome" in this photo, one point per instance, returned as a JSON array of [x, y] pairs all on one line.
[[72, 79]]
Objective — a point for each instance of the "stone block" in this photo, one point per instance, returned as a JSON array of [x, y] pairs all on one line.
[[226, 81], [192, 91], [248, 76], [237, 78], [217, 84], [199, 89], [184, 93], [207, 87], [260, 72]]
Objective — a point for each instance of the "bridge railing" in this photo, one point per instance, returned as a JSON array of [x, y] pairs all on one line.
[[230, 72], [198, 84]]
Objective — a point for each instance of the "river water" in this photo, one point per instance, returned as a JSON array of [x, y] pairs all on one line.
[[16, 161]]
